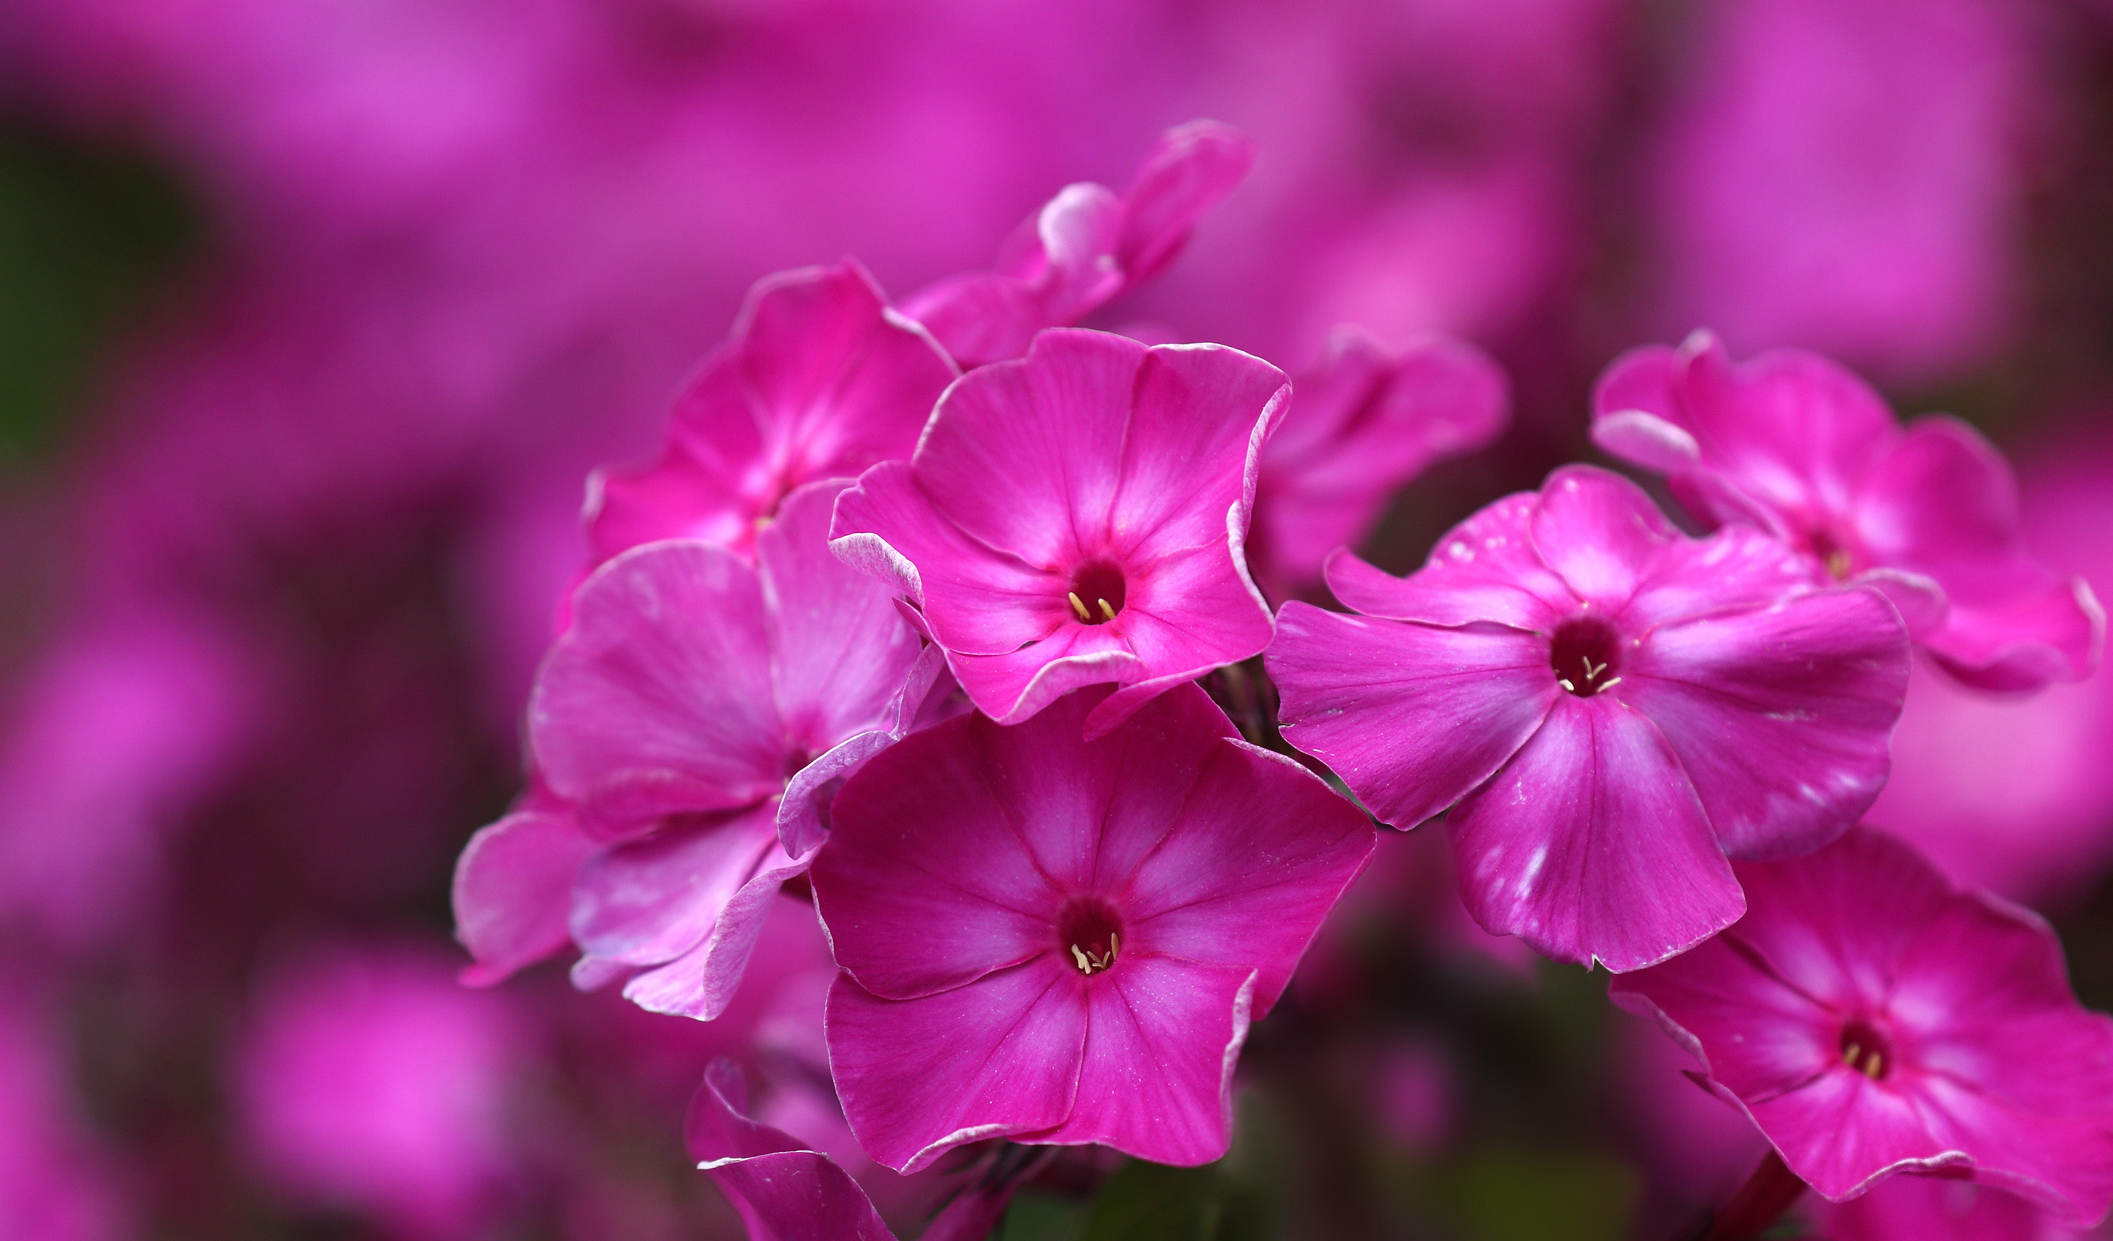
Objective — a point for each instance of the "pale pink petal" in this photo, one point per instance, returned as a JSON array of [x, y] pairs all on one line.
[[1780, 716], [1484, 569], [648, 901], [910, 1092], [839, 650], [701, 982], [1156, 1078], [1590, 844], [513, 891], [1412, 717], [658, 699]]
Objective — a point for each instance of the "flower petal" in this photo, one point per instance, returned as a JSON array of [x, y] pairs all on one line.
[[1188, 171], [513, 889], [1780, 715], [1412, 717], [996, 1058], [1590, 844], [1599, 532], [1156, 1078], [648, 901], [779, 1188], [1484, 569], [658, 699]]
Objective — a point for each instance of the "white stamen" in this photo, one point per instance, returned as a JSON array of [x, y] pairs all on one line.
[[1078, 605], [1106, 611]]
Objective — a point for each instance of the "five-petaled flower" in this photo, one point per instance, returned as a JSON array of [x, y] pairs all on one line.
[[1062, 941], [1795, 445], [1076, 518], [1613, 707], [1872, 1019]]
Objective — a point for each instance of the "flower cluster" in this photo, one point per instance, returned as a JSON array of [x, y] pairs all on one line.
[[928, 615]]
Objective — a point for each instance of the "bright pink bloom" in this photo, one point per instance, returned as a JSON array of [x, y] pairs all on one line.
[[1085, 246], [1356, 432], [1613, 707], [1873, 1019], [786, 1190], [688, 731], [1062, 941], [1928, 1208], [1799, 447], [371, 1081], [819, 379], [1076, 518]]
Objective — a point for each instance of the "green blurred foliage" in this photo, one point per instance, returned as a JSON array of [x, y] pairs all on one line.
[[86, 235]]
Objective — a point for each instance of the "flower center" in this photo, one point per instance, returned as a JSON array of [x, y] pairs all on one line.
[[1586, 655], [1091, 935], [1866, 1049], [1097, 592], [1832, 551]]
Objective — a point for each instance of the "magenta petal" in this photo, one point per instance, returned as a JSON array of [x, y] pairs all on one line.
[[1599, 532], [909, 1093], [781, 1190], [1484, 569], [710, 481], [1412, 717], [1025, 456], [981, 317], [1756, 1035], [1196, 422], [1156, 1078], [701, 982], [839, 650], [1590, 844], [1856, 905], [1191, 169], [1013, 687], [1842, 1132], [1780, 716], [1737, 566], [658, 699], [976, 600], [1226, 886], [513, 890], [925, 853]]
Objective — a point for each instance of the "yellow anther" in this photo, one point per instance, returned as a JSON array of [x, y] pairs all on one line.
[[1851, 1052], [1838, 564], [1079, 606], [1874, 1065], [1085, 962], [1107, 613]]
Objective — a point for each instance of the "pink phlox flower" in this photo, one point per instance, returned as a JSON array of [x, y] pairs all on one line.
[[1085, 246], [1608, 707], [1062, 941], [784, 1189], [1365, 424], [1076, 517], [819, 379], [1873, 1019], [1795, 445], [369, 1080], [688, 732]]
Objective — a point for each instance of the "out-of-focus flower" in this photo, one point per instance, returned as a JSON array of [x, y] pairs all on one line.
[[1794, 445], [1613, 707], [2013, 793], [1849, 176], [52, 1187], [1076, 518], [369, 1080], [114, 736], [1062, 941], [1358, 429], [1085, 247], [818, 380], [688, 724], [1872, 1019]]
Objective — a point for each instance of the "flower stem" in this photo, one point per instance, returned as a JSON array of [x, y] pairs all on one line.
[[1760, 1202]]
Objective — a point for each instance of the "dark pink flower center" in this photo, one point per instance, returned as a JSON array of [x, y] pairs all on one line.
[[1090, 934], [1098, 591], [1832, 551], [1585, 653], [1866, 1049]]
